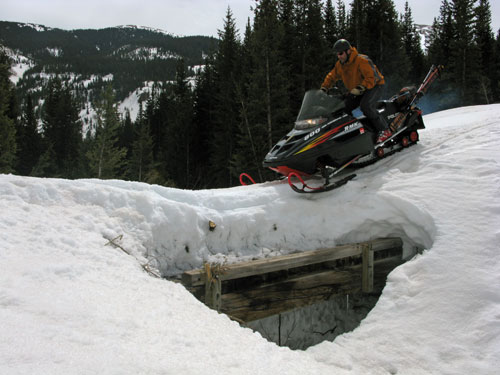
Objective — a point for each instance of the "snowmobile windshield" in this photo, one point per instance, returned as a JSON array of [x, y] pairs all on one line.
[[317, 106]]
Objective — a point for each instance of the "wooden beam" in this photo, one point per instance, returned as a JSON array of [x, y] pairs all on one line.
[[267, 265], [271, 299], [367, 278]]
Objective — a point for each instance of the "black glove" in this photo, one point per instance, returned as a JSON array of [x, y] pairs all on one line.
[[358, 90]]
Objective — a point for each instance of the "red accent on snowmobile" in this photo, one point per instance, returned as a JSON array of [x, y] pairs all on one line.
[[414, 136], [247, 176], [286, 171], [405, 141], [304, 185], [325, 137], [317, 189]]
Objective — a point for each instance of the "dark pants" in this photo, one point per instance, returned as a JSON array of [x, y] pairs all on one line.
[[368, 105]]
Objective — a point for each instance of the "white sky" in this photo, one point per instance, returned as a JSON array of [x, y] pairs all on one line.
[[182, 17]]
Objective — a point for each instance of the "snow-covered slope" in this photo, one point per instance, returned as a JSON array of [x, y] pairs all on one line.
[[70, 303]]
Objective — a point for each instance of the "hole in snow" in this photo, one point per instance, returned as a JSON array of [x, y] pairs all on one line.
[[311, 325], [303, 327]]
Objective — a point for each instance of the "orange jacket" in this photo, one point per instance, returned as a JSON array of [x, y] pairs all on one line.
[[358, 70]]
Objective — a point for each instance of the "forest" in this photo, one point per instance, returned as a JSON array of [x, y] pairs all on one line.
[[247, 95]]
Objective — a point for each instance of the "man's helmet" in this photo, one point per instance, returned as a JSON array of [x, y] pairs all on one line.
[[341, 45]]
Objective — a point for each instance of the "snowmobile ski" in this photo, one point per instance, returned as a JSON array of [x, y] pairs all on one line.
[[316, 189]]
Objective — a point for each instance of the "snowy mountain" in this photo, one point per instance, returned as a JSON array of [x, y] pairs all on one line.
[[129, 57], [72, 304], [424, 31]]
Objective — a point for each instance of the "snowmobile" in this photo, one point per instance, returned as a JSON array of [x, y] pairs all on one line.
[[325, 140]]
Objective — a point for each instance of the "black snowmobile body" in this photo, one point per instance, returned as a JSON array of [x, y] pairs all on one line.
[[324, 135]]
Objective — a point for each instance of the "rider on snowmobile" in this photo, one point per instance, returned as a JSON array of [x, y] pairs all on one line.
[[364, 82]]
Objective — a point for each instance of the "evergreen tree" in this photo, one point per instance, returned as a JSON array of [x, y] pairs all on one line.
[[158, 122], [226, 109], [485, 40], [268, 105], [7, 124], [203, 111], [356, 31], [126, 134], [495, 73], [342, 19], [375, 30], [178, 144], [412, 47], [62, 132], [29, 140], [331, 26], [246, 157], [439, 45], [464, 62], [314, 62], [106, 159], [289, 53], [141, 163]]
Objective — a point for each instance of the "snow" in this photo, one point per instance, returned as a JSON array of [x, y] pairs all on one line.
[[71, 303], [20, 64]]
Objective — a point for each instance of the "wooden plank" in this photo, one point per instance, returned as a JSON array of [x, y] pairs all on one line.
[[262, 266], [367, 279], [272, 299]]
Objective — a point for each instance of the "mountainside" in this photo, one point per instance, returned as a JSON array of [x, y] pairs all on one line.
[[424, 32], [130, 57]]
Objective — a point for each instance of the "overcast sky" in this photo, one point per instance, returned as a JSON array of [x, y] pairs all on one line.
[[180, 17]]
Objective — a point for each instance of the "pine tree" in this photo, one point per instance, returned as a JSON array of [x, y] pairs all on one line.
[[225, 107], [7, 126], [356, 31], [29, 140], [464, 51], [314, 62], [375, 30], [342, 19], [485, 40], [495, 74], [246, 157], [203, 111], [61, 132], [141, 163], [178, 135], [288, 51], [440, 41], [412, 47], [331, 26], [106, 159]]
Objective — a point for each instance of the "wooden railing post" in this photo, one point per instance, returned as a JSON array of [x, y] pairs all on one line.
[[213, 287], [367, 256]]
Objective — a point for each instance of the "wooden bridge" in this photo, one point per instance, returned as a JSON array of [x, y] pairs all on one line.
[[256, 289]]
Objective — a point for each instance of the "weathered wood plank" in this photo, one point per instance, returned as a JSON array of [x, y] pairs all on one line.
[[367, 279], [271, 299], [262, 266]]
